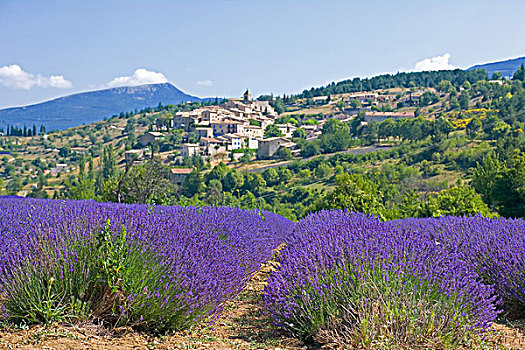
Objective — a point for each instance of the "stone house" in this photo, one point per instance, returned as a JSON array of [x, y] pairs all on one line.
[[212, 146], [189, 149], [269, 147], [232, 141], [150, 136], [204, 132], [177, 176]]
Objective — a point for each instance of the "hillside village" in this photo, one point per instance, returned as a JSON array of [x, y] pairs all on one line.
[[252, 135], [238, 127], [235, 125]]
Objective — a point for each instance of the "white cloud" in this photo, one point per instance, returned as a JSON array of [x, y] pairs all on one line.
[[434, 63], [141, 76], [13, 76], [205, 83]]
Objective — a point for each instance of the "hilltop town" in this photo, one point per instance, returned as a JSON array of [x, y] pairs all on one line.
[[426, 131], [239, 127]]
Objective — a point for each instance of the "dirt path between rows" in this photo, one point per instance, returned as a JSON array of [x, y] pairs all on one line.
[[241, 325]]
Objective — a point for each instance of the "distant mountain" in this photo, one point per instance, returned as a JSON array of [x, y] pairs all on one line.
[[92, 106], [506, 68]]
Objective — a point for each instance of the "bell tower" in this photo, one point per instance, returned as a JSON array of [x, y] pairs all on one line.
[[247, 96]]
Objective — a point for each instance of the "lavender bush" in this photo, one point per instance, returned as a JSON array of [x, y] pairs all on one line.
[[360, 282], [156, 267], [494, 247]]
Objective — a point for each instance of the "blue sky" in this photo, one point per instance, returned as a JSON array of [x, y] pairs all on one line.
[[219, 48]]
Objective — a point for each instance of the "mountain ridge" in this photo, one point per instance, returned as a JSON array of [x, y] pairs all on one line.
[[91, 106], [505, 67]]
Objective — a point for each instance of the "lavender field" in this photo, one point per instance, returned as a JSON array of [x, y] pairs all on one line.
[[338, 277], [162, 267], [351, 279]]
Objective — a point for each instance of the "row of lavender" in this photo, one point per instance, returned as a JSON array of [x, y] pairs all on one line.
[[354, 280], [167, 265]]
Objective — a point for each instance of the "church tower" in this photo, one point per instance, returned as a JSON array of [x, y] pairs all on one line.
[[247, 97]]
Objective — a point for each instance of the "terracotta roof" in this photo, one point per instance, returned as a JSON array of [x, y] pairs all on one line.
[[181, 171], [209, 139]]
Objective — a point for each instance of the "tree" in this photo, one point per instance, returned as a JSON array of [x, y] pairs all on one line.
[[214, 194], [457, 201], [109, 163], [335, 136], [255, 183], [271, 176], [339, 141], [499, 130], [272, 131], [428, 98], [310, 149], [444, 86], [64, 151], [284, 153], [519, 74], [473, 127], [218, 172], [197, 161], [454, 103], [386, 128], [332, 126], [245, 158], [322, 171], [232, 181], [355, 103], [443, 126], [278, 105], [486, 176], [354, 193], [145, 183], [14, 185], [502, 185], [82, 187], [464, 100], [299, 133], [285, 175], [496, 75], [193, 184]]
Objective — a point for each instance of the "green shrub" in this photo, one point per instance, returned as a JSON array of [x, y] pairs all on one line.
[[109, 280]]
